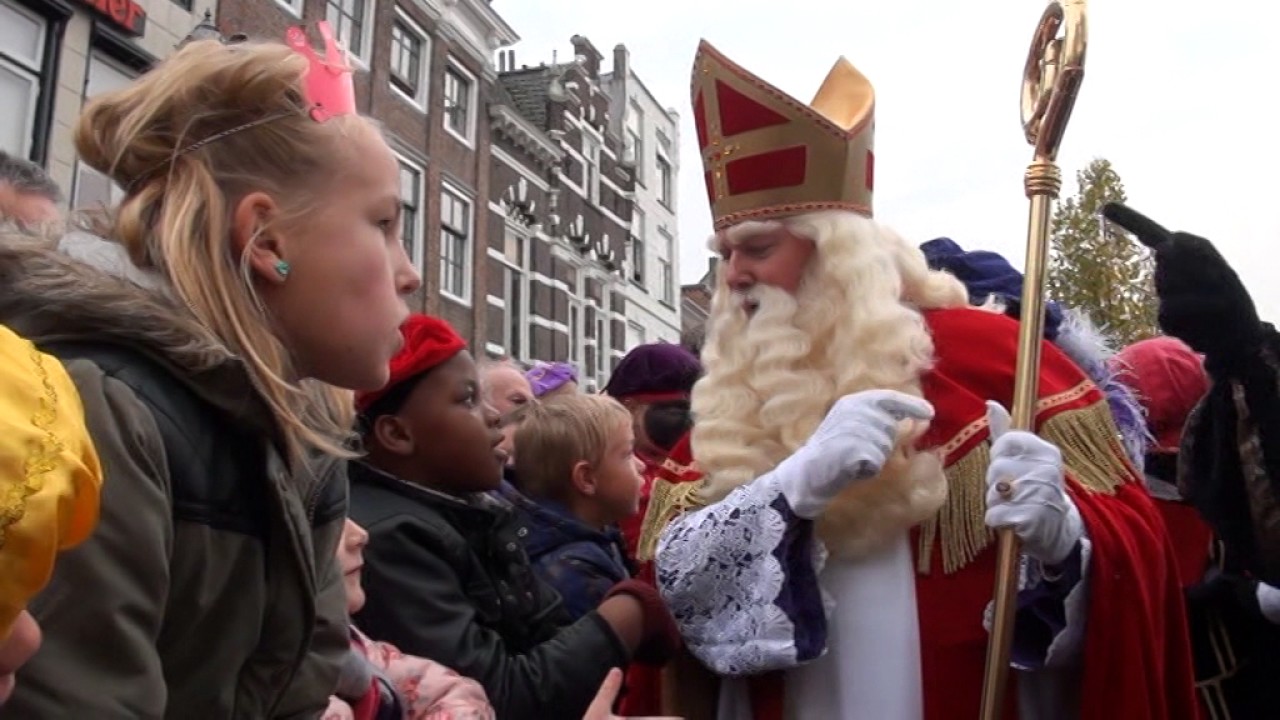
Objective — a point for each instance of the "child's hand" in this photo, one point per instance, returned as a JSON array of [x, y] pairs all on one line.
[[602, 707], [22, 643]]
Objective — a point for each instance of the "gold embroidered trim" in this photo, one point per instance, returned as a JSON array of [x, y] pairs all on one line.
[[667, 501], [769, 212], [1091, 453], [42, 459], [1065, 397]]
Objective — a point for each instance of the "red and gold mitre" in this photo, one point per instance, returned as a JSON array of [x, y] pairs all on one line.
[[767, 155]]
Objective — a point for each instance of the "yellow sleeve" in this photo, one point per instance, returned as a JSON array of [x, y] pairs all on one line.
[[50, 475]]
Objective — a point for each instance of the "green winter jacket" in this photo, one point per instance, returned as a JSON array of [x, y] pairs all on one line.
[[209, 588]]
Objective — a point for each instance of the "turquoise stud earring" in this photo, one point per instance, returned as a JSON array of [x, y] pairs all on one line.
[[282, 268]]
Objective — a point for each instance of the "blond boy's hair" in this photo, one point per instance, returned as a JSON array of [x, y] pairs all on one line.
[[559, 432]]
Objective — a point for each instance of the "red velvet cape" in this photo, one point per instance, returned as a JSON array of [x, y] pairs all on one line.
[[1136, 654]]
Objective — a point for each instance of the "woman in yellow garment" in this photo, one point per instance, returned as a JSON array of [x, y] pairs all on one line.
[[49, 483]]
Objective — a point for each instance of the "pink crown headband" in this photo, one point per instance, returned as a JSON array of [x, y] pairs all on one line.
[[327, 86], [327, 89]]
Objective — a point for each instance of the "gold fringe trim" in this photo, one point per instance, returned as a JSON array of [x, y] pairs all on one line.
[[1091, 448], [667, 501], [1091, 453], [961, 520]]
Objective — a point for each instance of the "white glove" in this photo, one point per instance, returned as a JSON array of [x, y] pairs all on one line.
[[1038, 510], [853, 443], [1269, 602]]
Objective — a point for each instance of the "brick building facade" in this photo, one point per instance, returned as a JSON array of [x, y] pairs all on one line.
[[57, 54], [519, 185], [562, 197], [425, 69], [650, 135], [695, 307]]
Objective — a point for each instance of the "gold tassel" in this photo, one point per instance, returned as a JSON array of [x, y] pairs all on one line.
[[1091, 449], [667, 501], [961, 521]]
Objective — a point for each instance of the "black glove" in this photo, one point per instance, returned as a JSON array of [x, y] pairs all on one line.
[[1223, 590], [1202, 301]]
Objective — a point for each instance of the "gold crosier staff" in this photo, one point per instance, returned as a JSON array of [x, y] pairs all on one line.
[[1050, 82]]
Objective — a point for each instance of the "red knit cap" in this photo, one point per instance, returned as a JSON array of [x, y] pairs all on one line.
[[428, 342], [1169, 379]]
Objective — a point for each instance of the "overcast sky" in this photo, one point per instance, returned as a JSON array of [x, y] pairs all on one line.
[[1179, 95]]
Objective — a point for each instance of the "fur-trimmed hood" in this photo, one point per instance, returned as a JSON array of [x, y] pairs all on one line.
[[48, 296]]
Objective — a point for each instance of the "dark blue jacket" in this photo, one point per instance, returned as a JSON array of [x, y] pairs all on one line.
[[580, 562]]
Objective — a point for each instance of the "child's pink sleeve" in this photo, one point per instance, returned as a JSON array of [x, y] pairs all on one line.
[[338, 710], [430, 690]]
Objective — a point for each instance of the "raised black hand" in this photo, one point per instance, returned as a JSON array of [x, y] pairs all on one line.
[[1202, 301]]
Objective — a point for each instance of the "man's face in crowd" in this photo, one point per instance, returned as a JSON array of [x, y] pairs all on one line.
[[772, 256], [27, 209]]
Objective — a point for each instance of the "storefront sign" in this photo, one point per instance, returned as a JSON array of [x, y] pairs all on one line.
[[126, 15]]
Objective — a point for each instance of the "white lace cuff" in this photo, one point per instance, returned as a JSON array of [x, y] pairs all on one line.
[[741, 579]]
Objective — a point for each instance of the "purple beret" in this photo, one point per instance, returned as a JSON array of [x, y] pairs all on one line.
[[547, 377], [661, 370]]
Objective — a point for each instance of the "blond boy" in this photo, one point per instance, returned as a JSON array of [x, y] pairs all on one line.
[[577, 468]]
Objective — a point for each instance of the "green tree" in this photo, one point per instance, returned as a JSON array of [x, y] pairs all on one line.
[[1095, 266]]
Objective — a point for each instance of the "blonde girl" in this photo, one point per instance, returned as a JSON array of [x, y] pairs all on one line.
[[267, 216]]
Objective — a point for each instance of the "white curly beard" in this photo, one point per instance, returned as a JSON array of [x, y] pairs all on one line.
[[772, 375]]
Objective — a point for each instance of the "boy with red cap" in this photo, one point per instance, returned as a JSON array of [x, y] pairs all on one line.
[[445, 574]]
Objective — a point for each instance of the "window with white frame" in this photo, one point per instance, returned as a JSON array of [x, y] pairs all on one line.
[[637, 245], [602, 347], [591, 155], [667, 278], [455, 245], [635, 139], [666, 275], [93, 189], [22, 49], [411, 211], [635, 334], [666, 188], [352, 22], [459, 101], [410, 59], [575, 331], [515, 294], [293, 6]]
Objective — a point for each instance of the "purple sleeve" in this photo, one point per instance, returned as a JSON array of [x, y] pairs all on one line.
[[1050, 615], [800, 597]]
